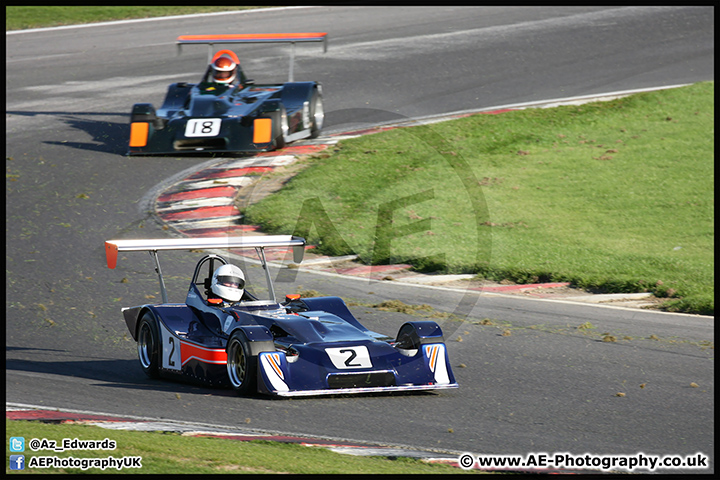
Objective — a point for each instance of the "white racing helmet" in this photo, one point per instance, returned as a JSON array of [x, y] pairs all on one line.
[[228, 283]]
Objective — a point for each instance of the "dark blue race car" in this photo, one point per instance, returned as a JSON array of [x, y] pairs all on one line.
[[301, 346], [226, 112]]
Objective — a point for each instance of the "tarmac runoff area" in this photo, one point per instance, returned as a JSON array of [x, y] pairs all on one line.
[[203, 203]]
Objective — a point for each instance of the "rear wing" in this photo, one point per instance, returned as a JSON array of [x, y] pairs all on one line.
[[259, 243], [291, 38]]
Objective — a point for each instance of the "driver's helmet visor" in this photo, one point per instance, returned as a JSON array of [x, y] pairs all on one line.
[[223, 75], [231, 281]]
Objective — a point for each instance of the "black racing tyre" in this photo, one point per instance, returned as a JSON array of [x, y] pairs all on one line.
[[317, 114], [148, 345], [143, 112], [279, 127], [407, 338], [241, 364]]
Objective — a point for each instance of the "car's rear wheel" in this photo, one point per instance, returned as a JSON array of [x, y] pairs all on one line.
[[317, 114], [148, 344], [241, 365]]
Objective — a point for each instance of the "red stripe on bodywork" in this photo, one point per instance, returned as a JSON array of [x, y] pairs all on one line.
[[207, 355]]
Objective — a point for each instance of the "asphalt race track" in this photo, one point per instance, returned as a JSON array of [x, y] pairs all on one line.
[[544, 387]]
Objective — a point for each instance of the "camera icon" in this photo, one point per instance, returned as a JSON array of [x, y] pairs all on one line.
[[17, 444]]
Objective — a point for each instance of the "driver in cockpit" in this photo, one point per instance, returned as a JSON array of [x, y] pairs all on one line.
[[227, 285]]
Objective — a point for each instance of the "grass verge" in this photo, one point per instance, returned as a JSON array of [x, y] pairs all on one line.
[[164, 453], [613, 196], [19, 18]]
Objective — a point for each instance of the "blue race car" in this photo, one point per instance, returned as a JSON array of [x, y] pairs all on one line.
[[225, 336], [226, 112]]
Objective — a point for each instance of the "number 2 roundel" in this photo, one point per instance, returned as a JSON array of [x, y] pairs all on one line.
[[349, 357]]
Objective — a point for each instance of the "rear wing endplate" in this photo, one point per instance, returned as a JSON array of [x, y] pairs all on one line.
[[259, 243], [291, 38]]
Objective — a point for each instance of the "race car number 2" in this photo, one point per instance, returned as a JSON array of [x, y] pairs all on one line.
[[350, 357], [203, 127], [171, 358]]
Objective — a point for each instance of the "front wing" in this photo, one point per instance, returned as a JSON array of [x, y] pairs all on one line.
[[427, 369], [197, 135]]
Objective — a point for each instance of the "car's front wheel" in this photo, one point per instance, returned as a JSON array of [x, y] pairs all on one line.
[[241, 364], [280, 127], [317, 114]]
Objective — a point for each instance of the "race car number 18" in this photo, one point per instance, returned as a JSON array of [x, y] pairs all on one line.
[[202, 127]]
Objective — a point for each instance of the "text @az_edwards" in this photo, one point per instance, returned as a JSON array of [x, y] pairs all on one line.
[[20, 462]]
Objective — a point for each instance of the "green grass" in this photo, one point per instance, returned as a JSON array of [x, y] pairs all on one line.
[[18, 18], [164, 453], [615, 196]]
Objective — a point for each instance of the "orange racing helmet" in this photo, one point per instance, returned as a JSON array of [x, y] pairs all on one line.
[[224, 69]]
